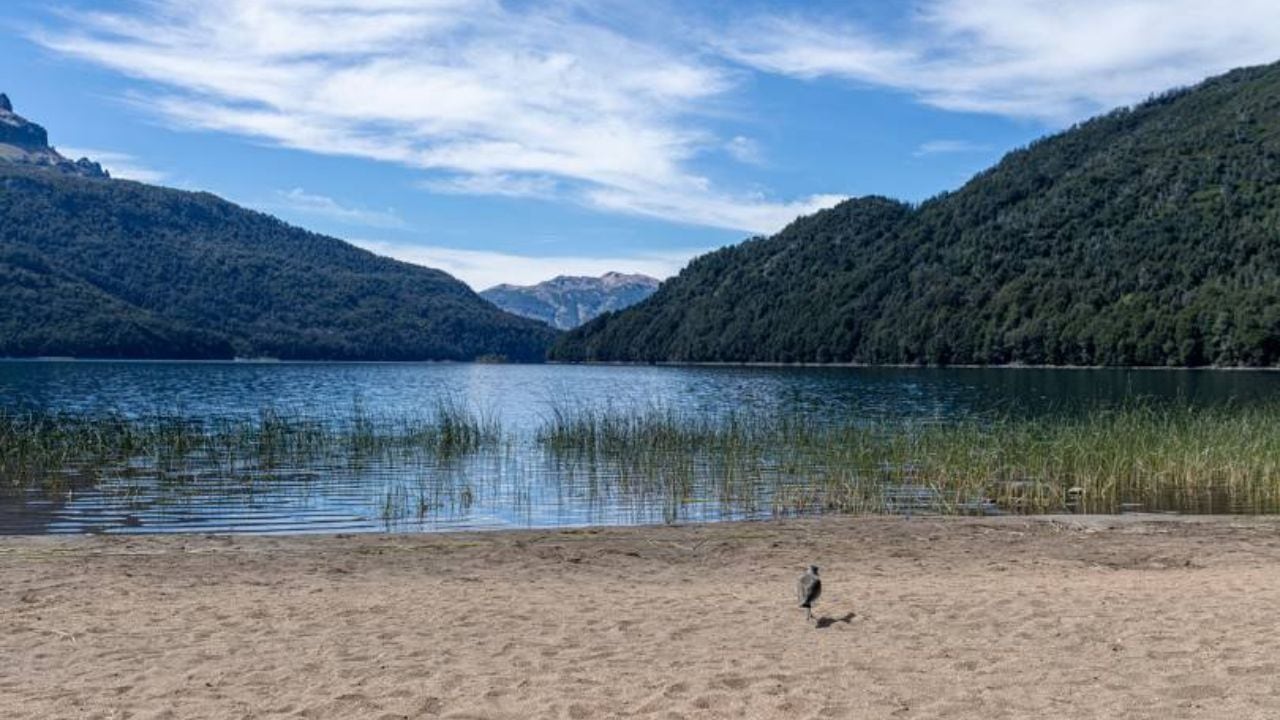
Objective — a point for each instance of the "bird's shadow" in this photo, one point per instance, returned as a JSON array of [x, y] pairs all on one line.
[[827, 621]]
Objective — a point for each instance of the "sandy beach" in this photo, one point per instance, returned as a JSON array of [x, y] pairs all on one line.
[[950, 618]]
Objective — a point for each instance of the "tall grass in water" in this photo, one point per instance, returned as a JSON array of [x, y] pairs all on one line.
[[1138, 456], [1154, 457], [452, 429], [54, 451], [658, 455]]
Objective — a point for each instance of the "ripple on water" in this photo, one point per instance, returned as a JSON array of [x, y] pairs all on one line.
[[517, 486]]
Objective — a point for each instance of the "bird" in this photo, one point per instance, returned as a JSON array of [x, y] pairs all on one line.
[[808, 589]]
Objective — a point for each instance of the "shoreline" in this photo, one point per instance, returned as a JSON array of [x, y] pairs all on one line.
[[912, 366], [628, 363], [1011, 617], [1085, 522]]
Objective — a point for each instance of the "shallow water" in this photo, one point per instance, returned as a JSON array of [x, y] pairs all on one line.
[[517, 483]]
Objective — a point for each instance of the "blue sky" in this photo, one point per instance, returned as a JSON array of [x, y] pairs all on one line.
[[514, 141]]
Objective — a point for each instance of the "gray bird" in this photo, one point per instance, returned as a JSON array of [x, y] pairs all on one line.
[[808, 589]]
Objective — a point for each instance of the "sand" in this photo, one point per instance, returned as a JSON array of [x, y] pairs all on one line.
[[921, 618]]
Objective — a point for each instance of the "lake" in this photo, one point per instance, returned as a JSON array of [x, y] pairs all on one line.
[[514, 481]]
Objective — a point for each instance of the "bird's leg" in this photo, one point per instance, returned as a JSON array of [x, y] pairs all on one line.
[[808, 614]]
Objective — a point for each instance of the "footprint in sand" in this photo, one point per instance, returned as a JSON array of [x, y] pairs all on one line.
[[732, 682], [676, 689]]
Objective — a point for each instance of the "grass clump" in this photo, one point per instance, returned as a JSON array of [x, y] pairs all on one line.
[[661, 462], [1138, 456], [53, 452]]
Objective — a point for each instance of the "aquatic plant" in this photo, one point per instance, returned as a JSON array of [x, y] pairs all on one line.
[[658, 463], [56, 451], [1154, 457]]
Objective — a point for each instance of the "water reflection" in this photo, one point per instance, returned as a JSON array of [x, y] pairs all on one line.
[[517, 483]]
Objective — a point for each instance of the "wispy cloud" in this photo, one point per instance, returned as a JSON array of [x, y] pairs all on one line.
[[528, 186], [704, 209], [301, 201], [949, 147], [484, 269], [120, 165], [1045, 59], [488, 97], [613, 105], [744, 150]]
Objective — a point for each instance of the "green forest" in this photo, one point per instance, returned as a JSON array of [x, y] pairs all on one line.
[[92, 267], [1148, 236]]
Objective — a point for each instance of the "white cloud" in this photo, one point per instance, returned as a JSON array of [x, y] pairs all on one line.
[[121, 165], [500, 184], [484, 269], [949, 147], [301, 201], [489, 97], [761, 216], [744, 150], [1044, 59], [609, 105]]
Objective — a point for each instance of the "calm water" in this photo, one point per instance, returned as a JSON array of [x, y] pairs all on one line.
[[516, 486]]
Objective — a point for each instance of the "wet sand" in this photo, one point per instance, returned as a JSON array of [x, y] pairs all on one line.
[[921, 618]]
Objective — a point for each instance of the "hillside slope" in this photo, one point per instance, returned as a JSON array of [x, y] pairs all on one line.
[[94, 267], [565, 302], [1148, 236]]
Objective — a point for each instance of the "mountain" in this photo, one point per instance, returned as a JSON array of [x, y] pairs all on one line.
[[1148, 236], [566, 302], [96, 267], [23, 142]]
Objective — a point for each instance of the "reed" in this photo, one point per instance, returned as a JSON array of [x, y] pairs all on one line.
[[55, 451], [1140, 456], [1154, 457]]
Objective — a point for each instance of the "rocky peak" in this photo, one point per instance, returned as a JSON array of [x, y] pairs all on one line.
[[617, 279], [567, 301], [17, 130], [23, 142]]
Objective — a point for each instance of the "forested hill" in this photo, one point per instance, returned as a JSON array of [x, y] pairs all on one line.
[[1148, 236], [92, 267]]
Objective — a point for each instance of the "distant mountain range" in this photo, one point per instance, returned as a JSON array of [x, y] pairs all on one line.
[[1147, 236], [96, 267], [566, 302]]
